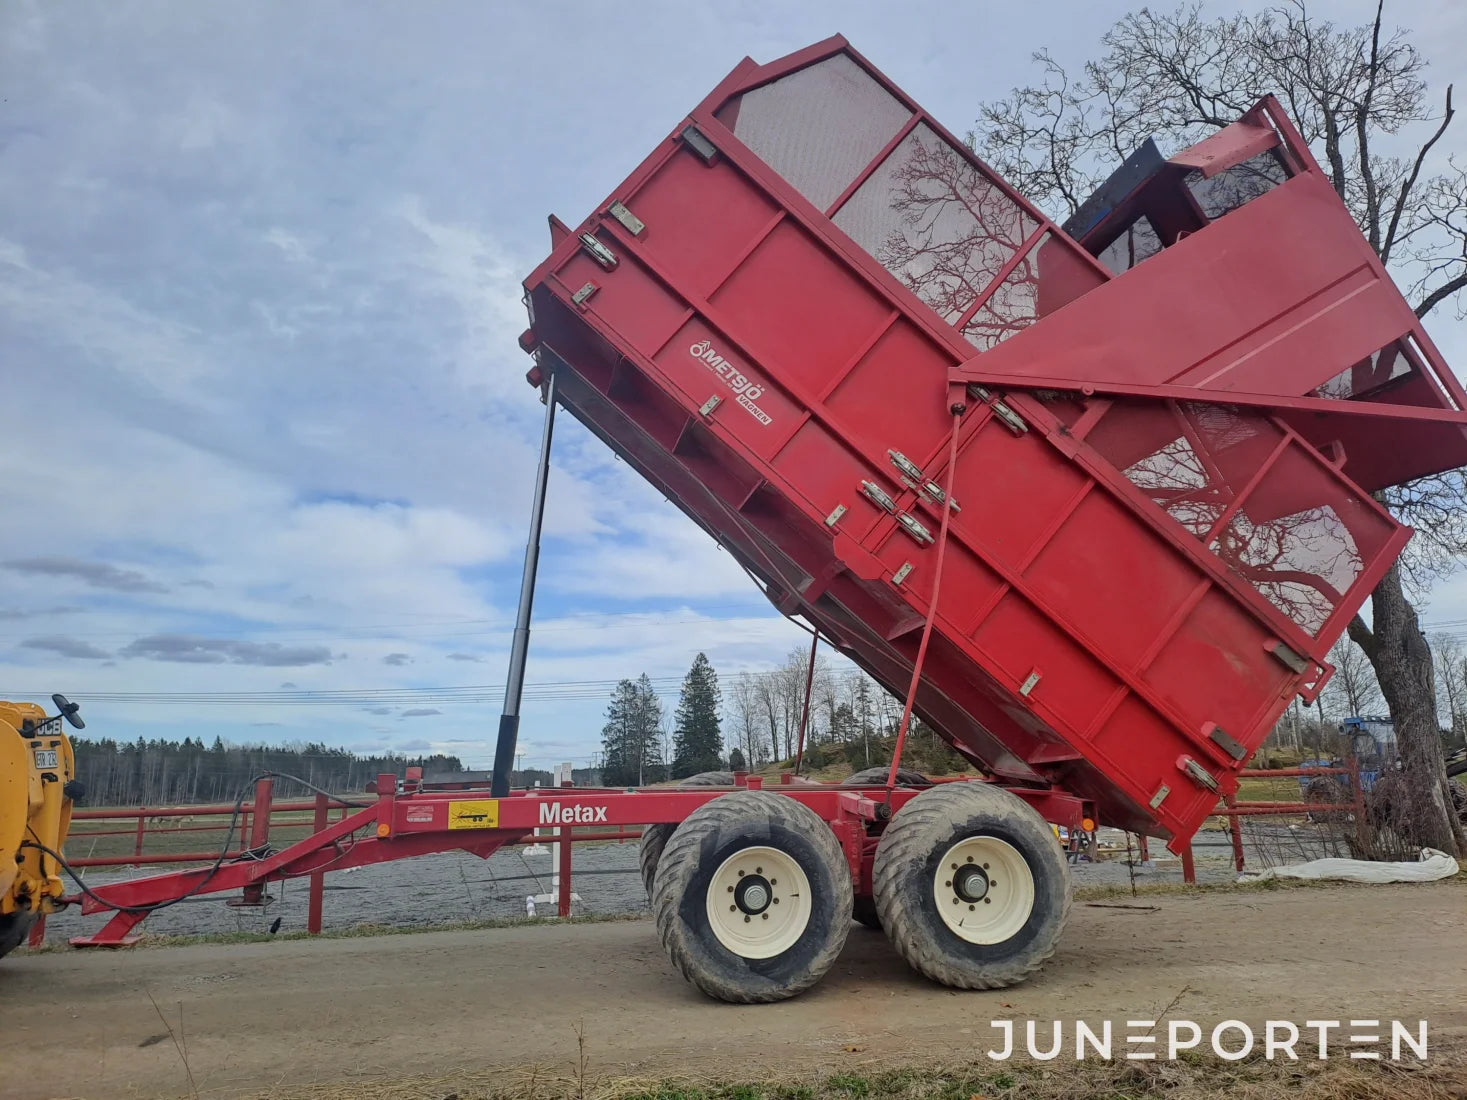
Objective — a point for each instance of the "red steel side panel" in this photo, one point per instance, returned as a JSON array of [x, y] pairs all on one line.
[[1133, 591]]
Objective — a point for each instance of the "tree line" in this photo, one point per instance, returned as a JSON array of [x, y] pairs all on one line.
[[852, 719], [639, 746], [164, 773]]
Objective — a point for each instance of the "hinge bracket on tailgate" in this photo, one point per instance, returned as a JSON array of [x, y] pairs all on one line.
[[1016, 423], [877, 496], [912, 526], [913, 476]]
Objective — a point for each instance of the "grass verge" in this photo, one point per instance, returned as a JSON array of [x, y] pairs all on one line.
[[1184, 1079]]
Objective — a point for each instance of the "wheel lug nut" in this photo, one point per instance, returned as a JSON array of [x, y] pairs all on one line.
[[764, 915], [776, 901], [730, 889], [774, 882], [985, 866], [970, 859], [733, 908], [955, 901], [987, 901], [948, 883], [746, 920], [758, 870], [971, 908], [741, 874]]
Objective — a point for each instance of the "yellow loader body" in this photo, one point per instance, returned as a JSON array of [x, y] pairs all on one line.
[[36, 764]]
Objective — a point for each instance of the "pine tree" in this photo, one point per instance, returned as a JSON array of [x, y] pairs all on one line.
[[697, 739], [736, 762], [629, 738]]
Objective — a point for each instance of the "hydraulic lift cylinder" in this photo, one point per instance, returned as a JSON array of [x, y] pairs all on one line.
[[509, 721]]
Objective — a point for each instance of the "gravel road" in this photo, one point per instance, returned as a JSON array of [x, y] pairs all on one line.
[[497, 1007]]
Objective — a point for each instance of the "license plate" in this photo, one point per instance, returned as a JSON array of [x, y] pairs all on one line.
[[46, 758]]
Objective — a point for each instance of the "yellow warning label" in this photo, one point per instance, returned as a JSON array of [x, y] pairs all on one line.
[[482, 813]]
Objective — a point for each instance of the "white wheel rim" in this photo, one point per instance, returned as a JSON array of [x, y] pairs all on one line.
[[984, 889], [758, 902]]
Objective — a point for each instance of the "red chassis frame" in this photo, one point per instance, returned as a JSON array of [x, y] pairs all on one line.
[[409, 819]]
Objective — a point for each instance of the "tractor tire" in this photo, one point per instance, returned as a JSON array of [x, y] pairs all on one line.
[[14, 927], [971, 886], [864, 912], [876, 777], [753, 897], [655, 837], [1327, 790]]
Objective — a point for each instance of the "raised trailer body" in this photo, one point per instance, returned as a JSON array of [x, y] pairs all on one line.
[[1156, 535]]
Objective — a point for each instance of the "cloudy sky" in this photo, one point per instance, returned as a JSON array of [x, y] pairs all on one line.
[[266, 425]]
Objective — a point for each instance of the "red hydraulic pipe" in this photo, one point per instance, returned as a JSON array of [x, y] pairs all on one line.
[[188, 811], [128, 861], [947, 500]]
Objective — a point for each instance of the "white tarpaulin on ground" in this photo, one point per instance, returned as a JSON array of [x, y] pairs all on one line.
[[1431, 866]]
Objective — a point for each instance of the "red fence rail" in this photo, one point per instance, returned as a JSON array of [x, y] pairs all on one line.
[[1235, 810]]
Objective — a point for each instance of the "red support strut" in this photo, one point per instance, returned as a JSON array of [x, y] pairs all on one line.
[[805, 712]]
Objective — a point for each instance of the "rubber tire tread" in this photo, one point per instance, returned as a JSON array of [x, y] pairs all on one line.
[[655, 837], [699, 841], [901, 884], [876, 777], [14, 927]]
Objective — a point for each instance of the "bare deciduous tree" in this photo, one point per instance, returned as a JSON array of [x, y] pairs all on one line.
[[1449, 655], [1360, 98], [1352, 689]]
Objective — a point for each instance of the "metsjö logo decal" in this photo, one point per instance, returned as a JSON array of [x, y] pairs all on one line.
[[746, 392]]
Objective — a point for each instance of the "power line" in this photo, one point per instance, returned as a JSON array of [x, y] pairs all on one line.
[[564, 690]]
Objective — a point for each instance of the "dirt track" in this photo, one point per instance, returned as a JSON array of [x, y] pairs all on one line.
[[263, 1019]]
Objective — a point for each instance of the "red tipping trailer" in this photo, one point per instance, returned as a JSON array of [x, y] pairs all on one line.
[[1096, 498], [1170, 424], [1100, 493]]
